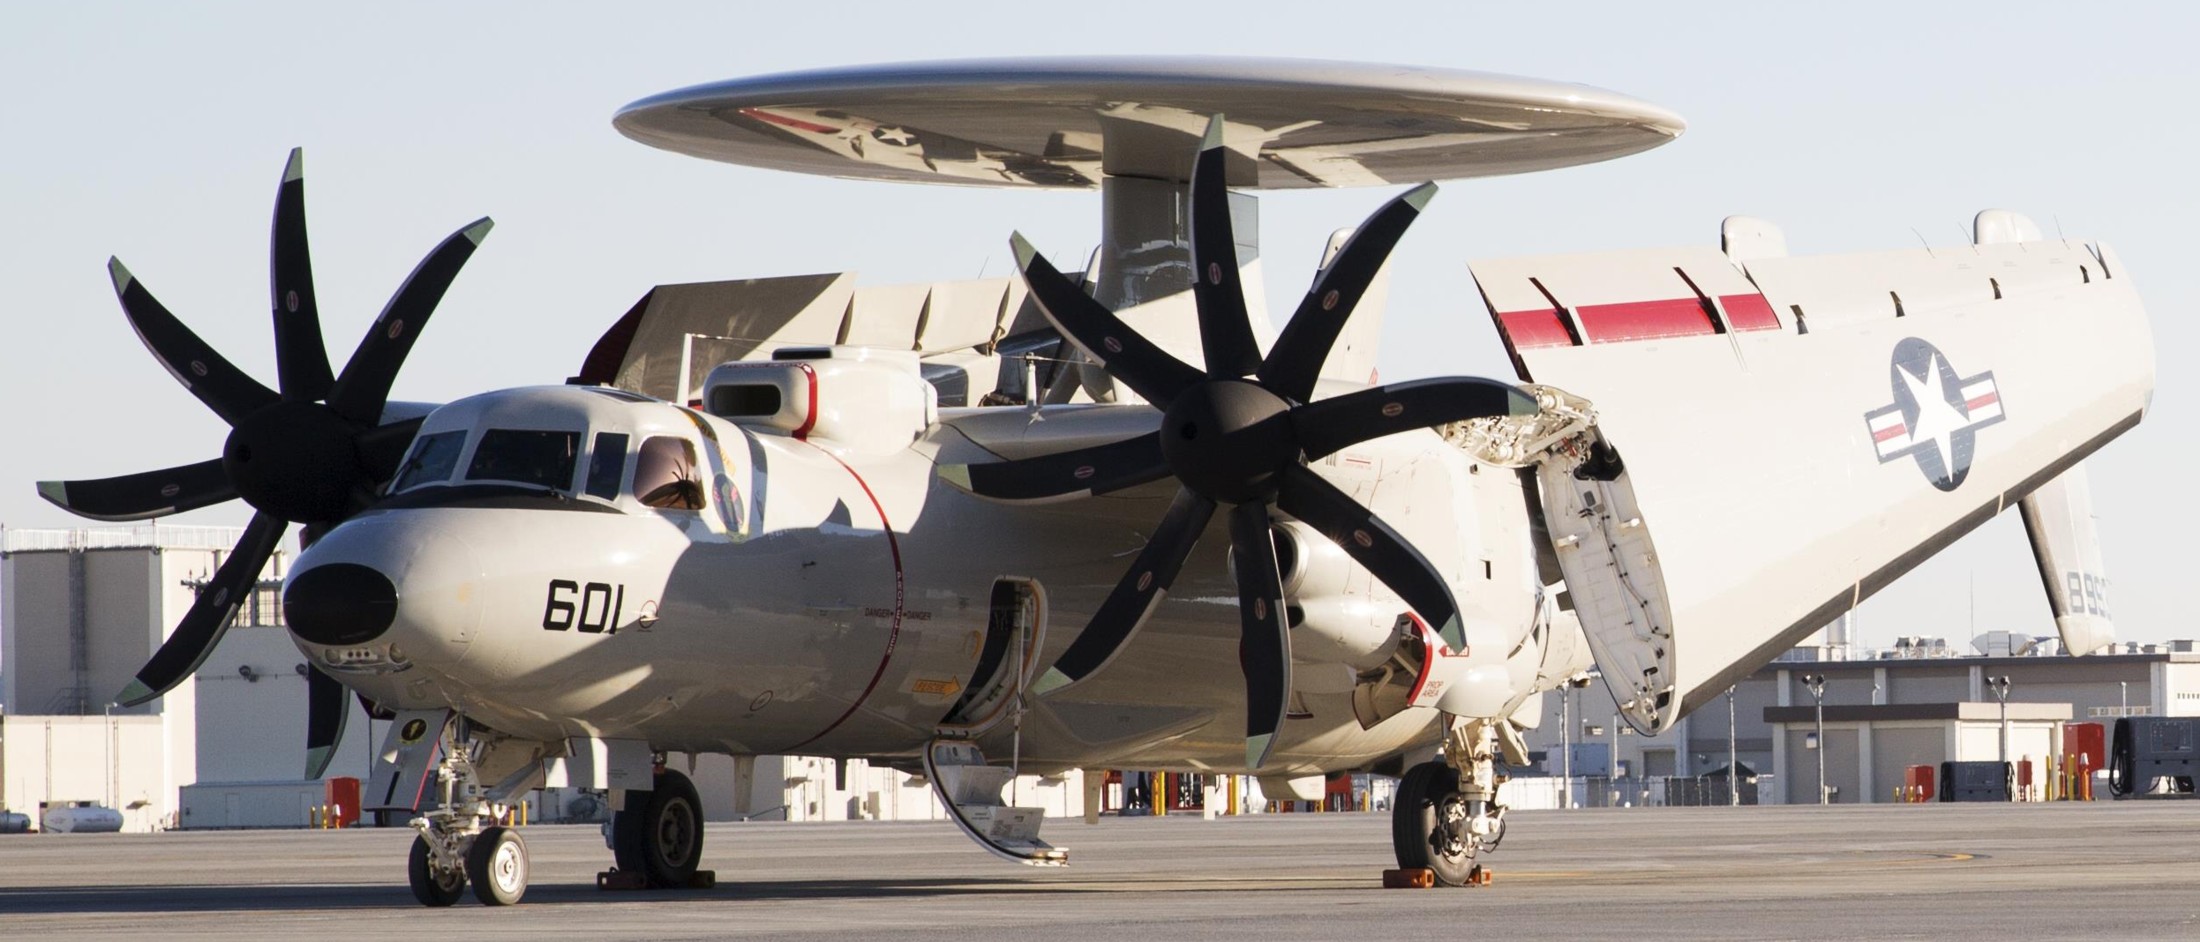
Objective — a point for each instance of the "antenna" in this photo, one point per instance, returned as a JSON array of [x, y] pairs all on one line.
[[1921, 241]]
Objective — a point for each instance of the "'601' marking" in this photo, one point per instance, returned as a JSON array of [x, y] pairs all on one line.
[[593, 608]]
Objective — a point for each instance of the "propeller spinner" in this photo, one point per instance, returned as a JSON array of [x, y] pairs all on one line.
[[1240, 432], [312, 452]]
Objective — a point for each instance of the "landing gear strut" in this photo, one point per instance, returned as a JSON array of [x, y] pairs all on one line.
[[658, 834], [1446, 812], [462, 841]]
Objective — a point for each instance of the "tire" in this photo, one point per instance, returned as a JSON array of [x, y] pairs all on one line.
[[659, 833], [1427, 795], [497, 867], [428, 886]]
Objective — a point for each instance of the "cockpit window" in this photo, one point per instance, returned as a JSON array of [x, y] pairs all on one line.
[[434, 456], [605, 463], [665, 476], [544, 459]]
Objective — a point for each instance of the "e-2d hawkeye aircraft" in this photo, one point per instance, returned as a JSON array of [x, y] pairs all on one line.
[[1169, 536]]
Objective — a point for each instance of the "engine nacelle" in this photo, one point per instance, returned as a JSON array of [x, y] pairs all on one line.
[[861, 398], [1328, 625]]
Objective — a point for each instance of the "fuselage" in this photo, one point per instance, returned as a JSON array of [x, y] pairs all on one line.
[[574, 561]]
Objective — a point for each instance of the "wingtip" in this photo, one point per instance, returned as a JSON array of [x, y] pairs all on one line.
[[55, 493], [318, 759], [1256, 749], [1213, 138], [1022, 248], [120, 274], [1419, 196], [295, 169], [134, 694], [479, 230], [956, 474]]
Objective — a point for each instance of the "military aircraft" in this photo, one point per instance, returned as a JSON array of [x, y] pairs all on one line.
[[788, 515]]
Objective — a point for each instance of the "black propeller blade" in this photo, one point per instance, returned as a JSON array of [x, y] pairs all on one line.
[[313, 453], [144, 494], [1240, 434], [203, 625], [326, 707]]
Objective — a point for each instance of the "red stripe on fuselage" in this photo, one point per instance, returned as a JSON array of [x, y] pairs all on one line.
[[893, 635], [1642, 320]]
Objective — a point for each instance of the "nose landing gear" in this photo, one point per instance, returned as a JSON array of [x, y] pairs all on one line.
[[464, 839]]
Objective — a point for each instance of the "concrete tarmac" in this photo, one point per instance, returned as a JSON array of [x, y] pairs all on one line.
[[2127, 870]]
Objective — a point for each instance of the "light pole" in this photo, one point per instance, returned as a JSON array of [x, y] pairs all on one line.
[[1566, 746], [1733, 763], [2000, 686], [1816, 683]]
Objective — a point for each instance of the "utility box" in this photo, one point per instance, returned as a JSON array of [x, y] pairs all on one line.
[[1974, 781], [2155, 756], [251, 804]]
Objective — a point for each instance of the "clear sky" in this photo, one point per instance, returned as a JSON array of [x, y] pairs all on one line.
[[157, 132]]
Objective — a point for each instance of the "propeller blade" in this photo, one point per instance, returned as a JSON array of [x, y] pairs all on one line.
[[301, 361], [1145, 368], [224, 388], [1264, 647], [142, 495], [1328, 425], [1295, 362], [1373, 544], [382, 448], [202, 626], [1134, 598], [1083, 472], [326, 708], [1225, 329], [364, 387]]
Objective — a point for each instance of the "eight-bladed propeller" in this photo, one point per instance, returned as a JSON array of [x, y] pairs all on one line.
[[1240, 432], [312, 452]]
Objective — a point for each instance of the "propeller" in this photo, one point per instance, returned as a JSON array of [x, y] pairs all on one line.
[[311, 451], [1240, 432]]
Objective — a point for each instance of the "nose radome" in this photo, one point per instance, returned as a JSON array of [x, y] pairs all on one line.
[[340, 604]]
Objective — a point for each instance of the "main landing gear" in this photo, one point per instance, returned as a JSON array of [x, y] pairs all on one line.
[[657, 836], [463, 840], [1446, 812]]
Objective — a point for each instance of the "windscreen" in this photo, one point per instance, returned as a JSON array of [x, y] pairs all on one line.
[[544, 459]]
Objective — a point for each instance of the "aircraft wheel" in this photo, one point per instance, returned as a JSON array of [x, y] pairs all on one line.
[[497, 867], [1428, 824], [659, 833], [431, 887]]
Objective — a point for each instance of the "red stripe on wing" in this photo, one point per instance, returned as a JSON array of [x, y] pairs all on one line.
[[1748, 312], [1537, 328], [1642, 320]]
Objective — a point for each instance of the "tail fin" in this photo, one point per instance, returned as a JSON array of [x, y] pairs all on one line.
[[1775, 439]]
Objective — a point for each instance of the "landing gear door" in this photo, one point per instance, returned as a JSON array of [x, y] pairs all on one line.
[[1613, 576], [1602, 542]]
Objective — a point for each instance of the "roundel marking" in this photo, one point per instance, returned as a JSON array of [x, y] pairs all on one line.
[[1260, 608], [396, 329], [290, 301], [170, 490], [1083, 471], [1113, 345], [1214, 273], [1392, 410], [198, 367], [1361, 537], [1329, 301], [1145, 580]]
